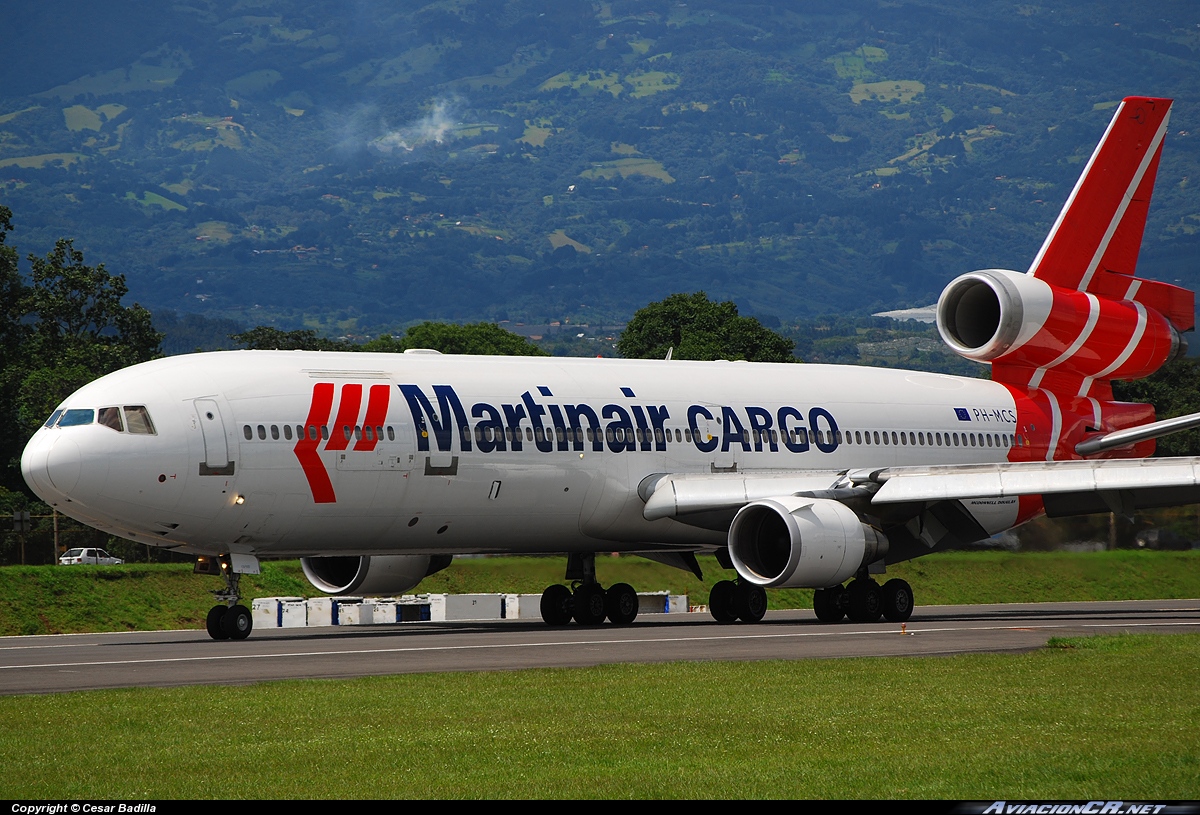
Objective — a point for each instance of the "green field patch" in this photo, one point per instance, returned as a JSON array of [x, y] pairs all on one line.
[[647, 83], [210, 132], [626, 167], [297, 112], [35, 162], [992, 88], [181, 188], [883, 172], [903, 91], [537, 131], [526, 57], [947, 113], [469, 131], [894, 116], [1106, 105], [151, 199], [587, 82], [853, 64], [641, 46], [559, 238], [683, 107], [290, 34], [8, 117], [1116, 713], [622, 149], [218, 231], [253, 82], [794, 157], [839, 138], [137, 77], [419, 60], [81, 117]]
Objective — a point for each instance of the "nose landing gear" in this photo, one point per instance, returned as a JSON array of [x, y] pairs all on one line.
[[228, 619]]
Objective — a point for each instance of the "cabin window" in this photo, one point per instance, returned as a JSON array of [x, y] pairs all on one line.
[[262, 433], [275, 432], [287, 432], [358, 433], [110, 417], [77, 416], [247, 432], [325, 432], [391, 434]]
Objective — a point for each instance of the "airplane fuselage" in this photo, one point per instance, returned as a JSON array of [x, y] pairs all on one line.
[[295, 453]]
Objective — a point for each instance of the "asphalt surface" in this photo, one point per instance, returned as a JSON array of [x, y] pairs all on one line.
[[73, 662]]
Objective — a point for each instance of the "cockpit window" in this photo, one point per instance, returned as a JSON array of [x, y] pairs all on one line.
[[111, 417], [77, 416], [137, 420], [53, 418]]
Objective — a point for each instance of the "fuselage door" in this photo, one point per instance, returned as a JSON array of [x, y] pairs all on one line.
[[216, 442]]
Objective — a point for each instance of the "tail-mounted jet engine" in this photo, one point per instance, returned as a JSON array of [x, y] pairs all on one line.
[[1020, 322], [378, 574], [792, 542]]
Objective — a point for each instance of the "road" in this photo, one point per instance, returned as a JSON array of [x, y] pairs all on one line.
[[74, 662]]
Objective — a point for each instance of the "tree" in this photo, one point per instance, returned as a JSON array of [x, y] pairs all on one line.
[[1174, 390], [449, 338], [56, 335], [698, 328], [79, 332], [266, 338]]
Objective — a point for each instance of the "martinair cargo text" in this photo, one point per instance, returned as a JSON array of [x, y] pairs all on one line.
[[376, 469]]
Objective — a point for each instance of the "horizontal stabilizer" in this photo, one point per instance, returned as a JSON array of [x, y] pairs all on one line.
[[1133, 435]]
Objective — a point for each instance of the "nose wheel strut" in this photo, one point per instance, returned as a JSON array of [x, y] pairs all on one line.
[[229, 619]]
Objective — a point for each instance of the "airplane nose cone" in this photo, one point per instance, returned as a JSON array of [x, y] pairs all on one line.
[[63, 464], [51, 464]]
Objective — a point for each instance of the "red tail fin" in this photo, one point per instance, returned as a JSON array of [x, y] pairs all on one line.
[[1100, 226]]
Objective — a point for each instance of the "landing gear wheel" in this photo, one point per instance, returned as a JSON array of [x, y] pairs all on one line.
[[237, 623], [621, 604], [750, 602], [589, 604], [866, 601], [828, 605], [557, 605], [897, 600], [213, 622], [720, 601]]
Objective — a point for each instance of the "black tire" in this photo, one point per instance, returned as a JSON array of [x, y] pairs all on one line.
[[621, 604], [750, 602], [589, 604], [827, 604], [720, 601], [866, 601], [237, 623], [557, 605], [897, 600], [213, 623]]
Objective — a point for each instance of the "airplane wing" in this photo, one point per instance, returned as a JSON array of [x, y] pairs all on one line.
[[1065, 487]]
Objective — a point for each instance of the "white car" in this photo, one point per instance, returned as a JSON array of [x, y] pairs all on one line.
[[96, 557]]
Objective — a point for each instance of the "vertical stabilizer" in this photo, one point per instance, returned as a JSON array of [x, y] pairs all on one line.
[[1100, 227]]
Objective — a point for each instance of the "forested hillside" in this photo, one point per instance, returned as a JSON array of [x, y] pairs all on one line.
[[357, 167]]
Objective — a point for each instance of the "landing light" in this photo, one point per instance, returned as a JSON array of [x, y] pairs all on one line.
[[241, 499]]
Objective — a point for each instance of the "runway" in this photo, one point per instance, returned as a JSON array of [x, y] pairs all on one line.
[[74, 662]]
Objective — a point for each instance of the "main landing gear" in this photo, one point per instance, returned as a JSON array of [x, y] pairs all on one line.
[[229, 619], [731, 601], [864, 601], [587, 602]]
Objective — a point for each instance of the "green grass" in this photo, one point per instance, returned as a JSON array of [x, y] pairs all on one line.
[[57, 599], [1113, 717]]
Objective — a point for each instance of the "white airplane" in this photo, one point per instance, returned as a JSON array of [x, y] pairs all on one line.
[[376, 469]]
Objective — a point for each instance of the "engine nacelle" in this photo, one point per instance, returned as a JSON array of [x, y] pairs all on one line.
[[1009, 318], [377, 574], [790, 542]]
